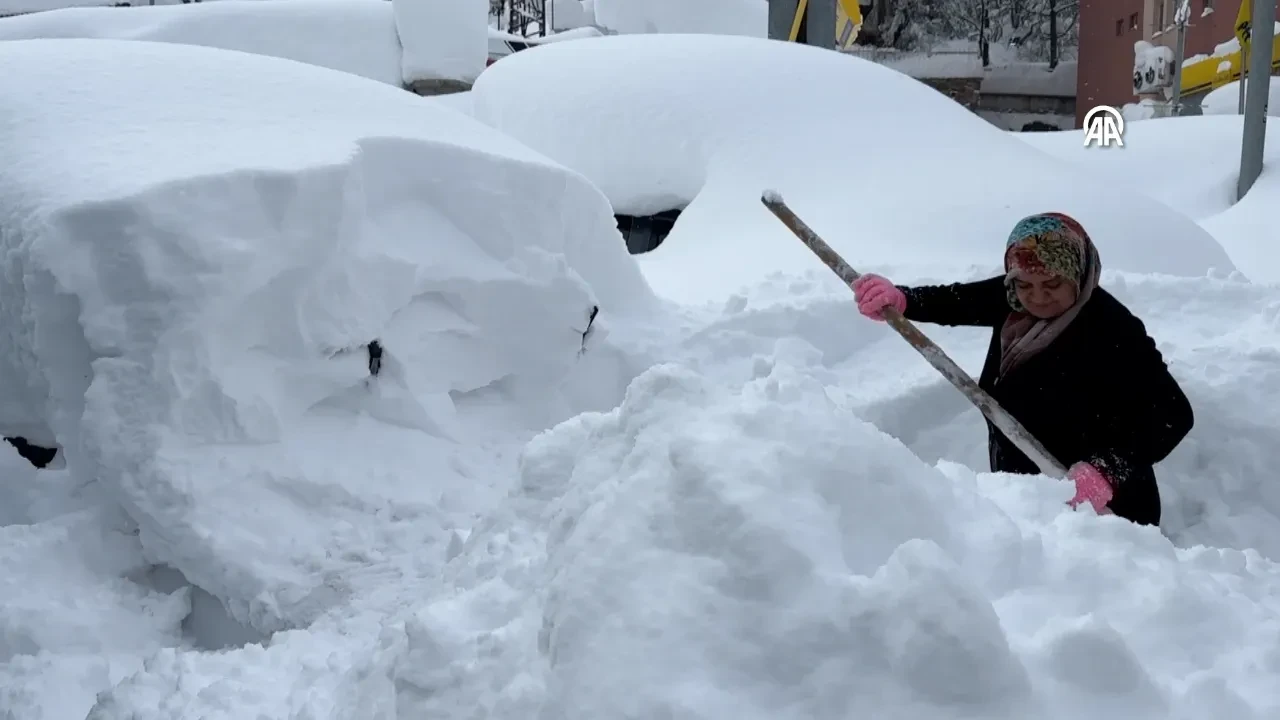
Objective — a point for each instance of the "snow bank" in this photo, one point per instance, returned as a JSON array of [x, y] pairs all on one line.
[[354, 36], [14, 7], [1247, 230], [1188, 163], [198, 246], [1144, 109], [572, 15], [707, 123], [442, 39], [747, 547], [1226, 99], [1155, 162], [713, 17]]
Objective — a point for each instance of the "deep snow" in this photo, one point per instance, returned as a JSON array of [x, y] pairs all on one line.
[[442, 40], [198, 245], [761, 506], [1191, 164], [397, 42], [721, 17], [667, 138], [1225, 100]]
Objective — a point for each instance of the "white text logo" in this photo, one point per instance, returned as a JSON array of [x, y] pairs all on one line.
[[1103, 126]]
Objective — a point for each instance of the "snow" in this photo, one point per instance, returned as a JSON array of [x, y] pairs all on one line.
[[1225, 100], [1233, 45], [1031, 78], [1155, 162], [15, 7], [718, 17], [354, 36], [747, 546], [568, 15], [442, 39], [1153, 64], [739, 499], [726, 123], [925, 65], [190, 321], [395, 43]]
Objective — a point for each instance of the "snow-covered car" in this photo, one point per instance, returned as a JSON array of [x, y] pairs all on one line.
[[502, 44]]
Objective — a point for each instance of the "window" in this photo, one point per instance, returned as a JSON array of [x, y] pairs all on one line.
[[1120, 27], [1133, 21]]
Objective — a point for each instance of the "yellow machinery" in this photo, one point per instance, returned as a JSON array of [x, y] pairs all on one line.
[[1215, 71], [848, 22]]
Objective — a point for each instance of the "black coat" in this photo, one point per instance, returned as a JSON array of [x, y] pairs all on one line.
[[1100, 393]]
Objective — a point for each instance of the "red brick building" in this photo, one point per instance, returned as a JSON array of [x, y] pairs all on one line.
[[1109, 28]]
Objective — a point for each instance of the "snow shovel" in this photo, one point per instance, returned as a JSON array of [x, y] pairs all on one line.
[[998, 416]]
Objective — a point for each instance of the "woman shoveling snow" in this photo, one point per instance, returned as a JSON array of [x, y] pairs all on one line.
[[1067, 360]]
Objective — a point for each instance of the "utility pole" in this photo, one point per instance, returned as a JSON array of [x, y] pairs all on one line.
[[817, 27], [1262, 33], [1181, 18], [781, 13], [820, 21], [1244, 74]]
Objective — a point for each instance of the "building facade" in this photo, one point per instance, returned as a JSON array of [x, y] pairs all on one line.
[[1109, 29]]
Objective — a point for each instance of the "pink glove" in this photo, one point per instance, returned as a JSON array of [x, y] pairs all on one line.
[[1091, 485], [875, 293]]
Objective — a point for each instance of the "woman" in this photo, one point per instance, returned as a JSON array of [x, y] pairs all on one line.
[[1066, 359]]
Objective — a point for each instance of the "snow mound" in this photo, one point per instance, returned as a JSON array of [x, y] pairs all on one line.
[[352, 36], [442, 40], [1247, 230], [713, 17], [1154, 162], [1218, 336], [199, 247], [750, 548], [706, 123], [396, 43], [336, 674], [1225, 100]]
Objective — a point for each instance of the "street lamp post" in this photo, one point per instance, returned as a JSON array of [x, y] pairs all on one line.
[[1262, 31], [1180, 18]]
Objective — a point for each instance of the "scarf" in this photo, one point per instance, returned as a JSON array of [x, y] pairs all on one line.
[[1048, 243]]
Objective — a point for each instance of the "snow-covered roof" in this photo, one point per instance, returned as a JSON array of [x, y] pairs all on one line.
[[1030, 78]]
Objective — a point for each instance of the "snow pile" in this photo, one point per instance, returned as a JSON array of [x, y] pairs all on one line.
[[15, 7], [1144, 109], [712, 121], [199, 247], [442, 39], [353, 36], [1155, 161], [781, 516], [714, 17], [1229, 47], [1226, 99], [572, 14], [747, 547]]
